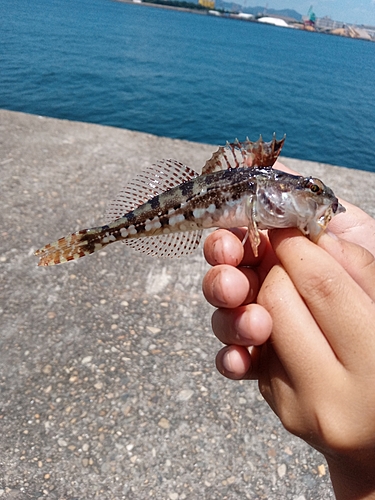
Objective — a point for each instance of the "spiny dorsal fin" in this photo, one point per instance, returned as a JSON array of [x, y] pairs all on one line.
[[245, 154], [156, 179]]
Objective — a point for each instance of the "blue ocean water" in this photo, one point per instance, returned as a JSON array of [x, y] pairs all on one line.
[[190, 76]]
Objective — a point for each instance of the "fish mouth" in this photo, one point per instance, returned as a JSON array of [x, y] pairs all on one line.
[[333, 209], [337, 208]]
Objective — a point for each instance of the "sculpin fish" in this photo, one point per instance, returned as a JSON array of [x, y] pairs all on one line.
[[164, 210]]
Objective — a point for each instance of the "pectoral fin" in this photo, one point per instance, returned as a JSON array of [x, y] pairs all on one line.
[[252, 229]]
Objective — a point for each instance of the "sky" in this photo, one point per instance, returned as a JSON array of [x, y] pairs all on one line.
[[349, 11]]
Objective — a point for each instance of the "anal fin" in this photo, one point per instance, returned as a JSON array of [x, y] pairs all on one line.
[[167, 245]]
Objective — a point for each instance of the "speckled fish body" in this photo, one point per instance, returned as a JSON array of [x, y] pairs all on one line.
[[238, 187]]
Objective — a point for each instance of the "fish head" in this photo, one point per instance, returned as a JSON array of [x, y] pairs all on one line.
[[317, 205], [287, 200]]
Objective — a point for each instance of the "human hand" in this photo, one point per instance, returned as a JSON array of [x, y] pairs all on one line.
[[313, 370], [317, 367], [237, 321]]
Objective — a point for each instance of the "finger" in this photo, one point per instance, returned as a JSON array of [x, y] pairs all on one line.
[[337, 303], [280, 166], [356, 226], [296, 338], [227, 286], [234, 362], [237, 362], [244, 326], [356, 260], [266, 256], [225, 247]]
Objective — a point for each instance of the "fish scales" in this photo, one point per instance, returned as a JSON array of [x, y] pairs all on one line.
[[195, 204], [238, 187]]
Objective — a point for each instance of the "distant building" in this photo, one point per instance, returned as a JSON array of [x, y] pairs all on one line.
[[326, 23], [209, 4]]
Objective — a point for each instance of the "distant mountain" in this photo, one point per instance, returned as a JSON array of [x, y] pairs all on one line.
[[284, 12], [230, 6]]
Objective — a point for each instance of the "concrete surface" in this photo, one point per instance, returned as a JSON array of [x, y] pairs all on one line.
[[107, 377]]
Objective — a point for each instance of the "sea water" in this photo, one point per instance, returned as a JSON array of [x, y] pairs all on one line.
[[190, 76]]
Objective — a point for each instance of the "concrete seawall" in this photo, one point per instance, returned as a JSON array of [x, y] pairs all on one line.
[[107, 381]]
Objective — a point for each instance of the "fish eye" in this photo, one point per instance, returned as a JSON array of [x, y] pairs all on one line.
[[315, 185]]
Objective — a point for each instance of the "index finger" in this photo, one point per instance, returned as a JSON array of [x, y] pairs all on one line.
[[225, 246]]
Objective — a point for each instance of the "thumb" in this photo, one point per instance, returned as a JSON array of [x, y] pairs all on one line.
[[358, 262]]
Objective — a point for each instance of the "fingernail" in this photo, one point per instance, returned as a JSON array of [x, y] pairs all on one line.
[[217, 291], [228, 362], [242, 329], [216, 287]]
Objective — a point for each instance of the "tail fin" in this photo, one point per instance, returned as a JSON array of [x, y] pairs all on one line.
[[68, 248]]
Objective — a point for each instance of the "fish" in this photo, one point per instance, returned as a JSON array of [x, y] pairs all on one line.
[[164, 210]]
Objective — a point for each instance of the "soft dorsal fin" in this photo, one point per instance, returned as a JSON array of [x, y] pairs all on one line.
[[151, 182], [154, 180], [245, 154]]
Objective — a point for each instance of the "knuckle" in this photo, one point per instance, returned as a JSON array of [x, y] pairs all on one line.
[[319, 289]]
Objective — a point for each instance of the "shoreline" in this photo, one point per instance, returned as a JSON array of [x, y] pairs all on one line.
[[167, 7], [235, 17]]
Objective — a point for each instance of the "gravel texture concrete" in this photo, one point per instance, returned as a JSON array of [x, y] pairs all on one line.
[[107, 377]]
